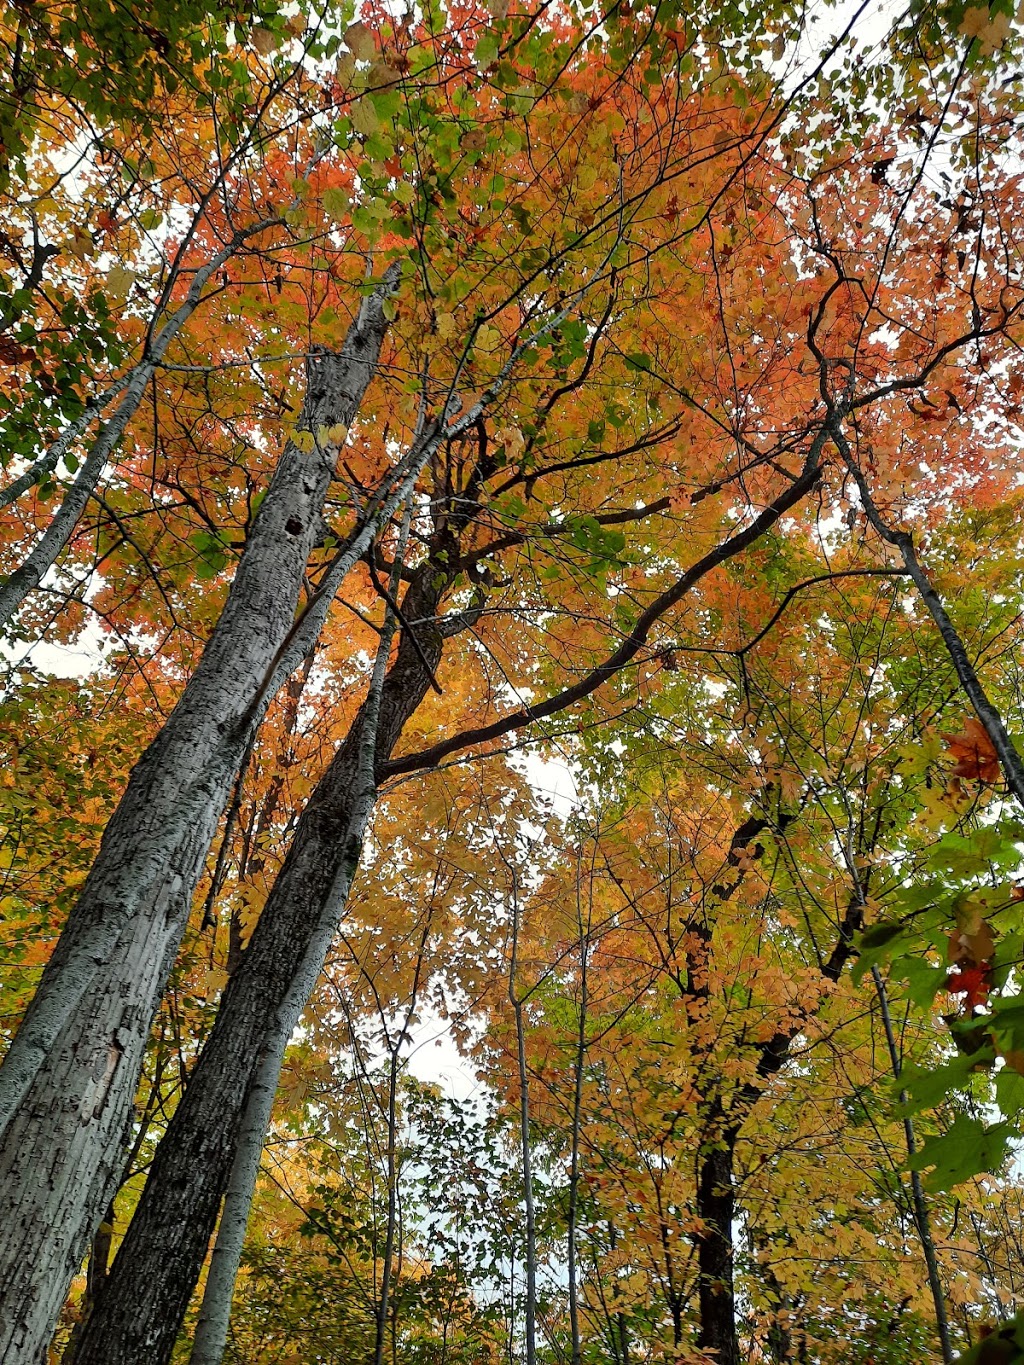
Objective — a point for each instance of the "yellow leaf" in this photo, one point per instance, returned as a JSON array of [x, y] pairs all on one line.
[[513, 441], [216, 980], [252, 899], [81, 244], [991, 31], [119, 282], [975, 19], [364, 117], [488, 338], [332, 436], [303, 440], [336, 202]]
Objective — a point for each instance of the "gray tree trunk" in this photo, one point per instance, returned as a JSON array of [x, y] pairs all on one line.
[[43, 554], [211, 1333], [138, 1315], [69, 1079], [145, 1297]]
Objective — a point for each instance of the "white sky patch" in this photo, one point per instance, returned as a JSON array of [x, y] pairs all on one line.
[[554, 779], [433, 1056], [78, 660]]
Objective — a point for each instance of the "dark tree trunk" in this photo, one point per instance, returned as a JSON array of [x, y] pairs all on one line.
[[96, 1274], [139, 1314], [716, 1207]]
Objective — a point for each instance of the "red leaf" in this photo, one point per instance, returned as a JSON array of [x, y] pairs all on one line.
[[974, 982]]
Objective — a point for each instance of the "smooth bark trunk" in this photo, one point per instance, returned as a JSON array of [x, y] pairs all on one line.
[[526, 1151], [919, 1203], [1006, 750], [576, 1356], [69, 1079]]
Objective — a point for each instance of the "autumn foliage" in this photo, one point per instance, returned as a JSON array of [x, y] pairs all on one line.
[[510, 535]]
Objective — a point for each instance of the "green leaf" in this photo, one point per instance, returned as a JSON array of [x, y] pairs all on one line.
[[966, 1150], [924, 981], [1004, 1345], [1009, 1092], [927, 1087], [486, 51], [875, 946], [1007, 1024]]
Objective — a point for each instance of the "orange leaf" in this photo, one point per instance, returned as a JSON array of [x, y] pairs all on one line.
[[975, 756]]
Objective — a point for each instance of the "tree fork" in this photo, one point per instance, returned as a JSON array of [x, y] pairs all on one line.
[[138, 1315], [69, 1079]]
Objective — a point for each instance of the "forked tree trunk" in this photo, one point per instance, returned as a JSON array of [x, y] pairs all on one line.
[[139, 1313], [69, 1079], [163, 1252], [214, 1319]]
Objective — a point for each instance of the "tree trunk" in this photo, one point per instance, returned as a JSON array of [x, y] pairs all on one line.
[[525, 1145], [212, 1326], [137, 1319], [43, 555], [99, 1261], [716, 1207], [919, 1203], [69, 1080], [193, 1162]]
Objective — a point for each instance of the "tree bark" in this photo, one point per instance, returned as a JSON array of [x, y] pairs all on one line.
[[215, 1315], [918, 1201], [153, 1277], [138, 1317], [716, 1208], [99, 1260], [525, 1145], [571, 1250], [69, 1079], [43, 555], [176, 796]]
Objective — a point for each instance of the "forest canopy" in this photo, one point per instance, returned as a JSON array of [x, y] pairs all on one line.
[[511, 536]]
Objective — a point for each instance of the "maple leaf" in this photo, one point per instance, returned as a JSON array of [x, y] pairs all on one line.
[[264, 40], [974, 753], [973, 981], [991, 31]]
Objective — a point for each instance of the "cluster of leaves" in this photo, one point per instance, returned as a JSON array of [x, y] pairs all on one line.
[[737, 276]]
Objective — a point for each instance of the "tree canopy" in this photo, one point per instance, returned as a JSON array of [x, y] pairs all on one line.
[[405, 412]]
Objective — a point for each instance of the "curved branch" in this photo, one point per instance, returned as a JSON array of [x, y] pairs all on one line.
[[634, 642]]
